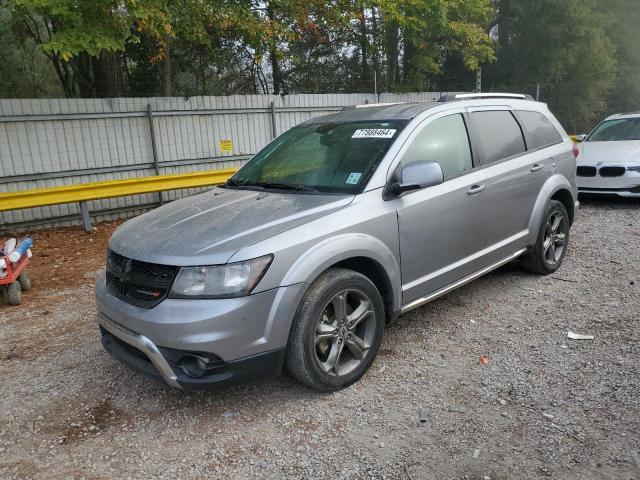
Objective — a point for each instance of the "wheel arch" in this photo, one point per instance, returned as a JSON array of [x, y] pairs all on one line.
[[557, 187], [361, 253], [564, 196]]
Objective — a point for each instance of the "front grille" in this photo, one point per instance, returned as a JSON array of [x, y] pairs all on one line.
[[612, 171], [138, 283], [586, 171]]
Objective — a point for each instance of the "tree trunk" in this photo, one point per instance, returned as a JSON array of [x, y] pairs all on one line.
[[391, 53], [165, 69], [276, 74], [63, 74], [107, 75], [82, 69], [364, 43], [375, 58], [407, 59]]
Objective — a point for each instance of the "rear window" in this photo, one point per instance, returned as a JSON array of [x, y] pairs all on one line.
[[541, 131], [499, 134]]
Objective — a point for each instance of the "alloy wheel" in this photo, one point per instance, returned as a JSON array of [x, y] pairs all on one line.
[[555, 235], [344, 332]]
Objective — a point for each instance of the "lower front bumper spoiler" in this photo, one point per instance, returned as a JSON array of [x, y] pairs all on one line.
[[143, 344], [141, 354]]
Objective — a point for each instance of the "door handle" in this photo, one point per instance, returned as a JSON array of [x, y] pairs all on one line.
[[476, 189], [536, 167]]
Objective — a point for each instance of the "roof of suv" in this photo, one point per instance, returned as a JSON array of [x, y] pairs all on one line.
[[376, 111], [403, 111]]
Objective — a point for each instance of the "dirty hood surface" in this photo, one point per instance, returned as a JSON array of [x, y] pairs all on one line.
[[207, 229]]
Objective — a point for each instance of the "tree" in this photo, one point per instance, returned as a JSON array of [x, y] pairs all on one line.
[[85, 40], [624, 18], [431, 31], [561, 45], [26, 71]]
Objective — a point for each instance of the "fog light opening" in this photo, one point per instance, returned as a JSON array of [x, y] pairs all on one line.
[[197, 365]]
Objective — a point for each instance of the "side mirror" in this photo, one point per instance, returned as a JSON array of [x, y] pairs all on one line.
[[415, 176], [581, 138]]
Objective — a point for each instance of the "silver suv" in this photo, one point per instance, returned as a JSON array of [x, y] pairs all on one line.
[[331, 232]]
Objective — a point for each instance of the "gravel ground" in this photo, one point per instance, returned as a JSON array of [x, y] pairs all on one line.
[[543, 405]]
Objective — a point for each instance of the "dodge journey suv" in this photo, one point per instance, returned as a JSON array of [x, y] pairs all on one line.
[[332, 231]]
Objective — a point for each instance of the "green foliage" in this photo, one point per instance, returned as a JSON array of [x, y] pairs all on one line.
[[26, 71], [560, 45], [582, 54]]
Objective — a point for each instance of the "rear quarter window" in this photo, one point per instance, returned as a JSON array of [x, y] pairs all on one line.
[[541, 131], [499, 135]]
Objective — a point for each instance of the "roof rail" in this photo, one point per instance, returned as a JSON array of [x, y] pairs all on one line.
[[449, 97]]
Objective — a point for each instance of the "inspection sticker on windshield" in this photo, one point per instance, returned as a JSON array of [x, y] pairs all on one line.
[[353, 178], [374, 133]]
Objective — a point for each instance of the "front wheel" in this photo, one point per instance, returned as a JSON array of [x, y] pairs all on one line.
[[14, 293], [336, 332], [546, 255]]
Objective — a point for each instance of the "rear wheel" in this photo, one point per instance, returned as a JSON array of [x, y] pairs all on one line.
[[14, 293], [25, 281], [336, 332], [551, 245]]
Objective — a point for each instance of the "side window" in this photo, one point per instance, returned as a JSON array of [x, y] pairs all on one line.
[[541, 131], [445, 141], [499, 135]]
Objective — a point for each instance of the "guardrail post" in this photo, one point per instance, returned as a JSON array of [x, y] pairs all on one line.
[[86, 216], [154, 148], [274, 133]]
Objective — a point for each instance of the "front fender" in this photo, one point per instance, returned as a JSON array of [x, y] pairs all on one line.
[[554, 184], [342, 247]]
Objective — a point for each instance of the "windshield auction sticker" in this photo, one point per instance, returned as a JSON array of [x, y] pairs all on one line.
[[353, 178], [374, 133]]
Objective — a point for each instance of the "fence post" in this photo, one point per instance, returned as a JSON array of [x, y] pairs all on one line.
[[154, 148], [537, 92], [86, 216], [274, 133]]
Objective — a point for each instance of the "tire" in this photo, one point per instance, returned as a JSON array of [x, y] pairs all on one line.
[[25, 281], [14, 293], [318, 339], [547, 254]]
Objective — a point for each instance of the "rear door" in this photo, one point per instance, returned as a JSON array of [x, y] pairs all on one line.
[[515, 170]]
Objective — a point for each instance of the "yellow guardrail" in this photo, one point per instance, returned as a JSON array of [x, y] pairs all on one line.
[[81, 193], [40, 197]]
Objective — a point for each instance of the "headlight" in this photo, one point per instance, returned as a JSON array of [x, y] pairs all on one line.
[[635, 168], [223, 281]]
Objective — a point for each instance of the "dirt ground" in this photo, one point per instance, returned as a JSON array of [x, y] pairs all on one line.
[[544, 406]]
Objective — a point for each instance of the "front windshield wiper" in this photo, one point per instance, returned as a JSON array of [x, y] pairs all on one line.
[[237, 184], [270, 185], [286, 186], [232, 183]]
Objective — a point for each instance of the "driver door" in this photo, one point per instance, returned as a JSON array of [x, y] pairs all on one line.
[[442, 229]]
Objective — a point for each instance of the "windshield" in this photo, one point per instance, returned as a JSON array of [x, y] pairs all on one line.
[[328, 157], [616, 130]]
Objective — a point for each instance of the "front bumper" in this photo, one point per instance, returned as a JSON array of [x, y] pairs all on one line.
[[142, 355], [246, 335], [627, 185]]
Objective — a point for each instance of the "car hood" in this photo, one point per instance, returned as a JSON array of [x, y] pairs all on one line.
[[207, 229], [609, 152]]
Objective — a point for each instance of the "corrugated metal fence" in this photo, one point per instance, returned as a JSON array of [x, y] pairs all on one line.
[[55, 142]]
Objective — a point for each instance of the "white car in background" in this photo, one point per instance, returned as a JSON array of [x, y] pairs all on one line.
[[609, 158]]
